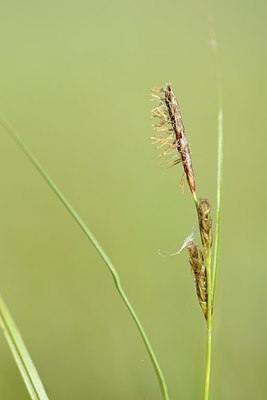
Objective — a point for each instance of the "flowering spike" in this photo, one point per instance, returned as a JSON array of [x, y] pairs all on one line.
[[170, 121]]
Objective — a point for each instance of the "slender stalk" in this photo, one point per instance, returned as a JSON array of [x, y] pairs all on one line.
[[215, 49], [212, 280], [21, 356], [218, 210], [97, 246], [209, 329]]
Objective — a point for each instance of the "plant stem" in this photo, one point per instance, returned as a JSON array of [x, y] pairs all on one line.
[[209, 328], [97, 246], [218, 210], [215, 50], [211, 281]]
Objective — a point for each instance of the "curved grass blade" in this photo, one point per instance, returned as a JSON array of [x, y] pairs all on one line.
[[21, 355], [98, 247]]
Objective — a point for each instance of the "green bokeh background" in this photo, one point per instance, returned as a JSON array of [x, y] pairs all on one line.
[[74, 82]]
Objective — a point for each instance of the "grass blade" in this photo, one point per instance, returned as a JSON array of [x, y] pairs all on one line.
[[97, 246], [21, 355], [215, 48], [213, 278], [218, 210]]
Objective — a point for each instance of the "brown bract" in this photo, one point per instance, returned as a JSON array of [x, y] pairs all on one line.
[[205, 222], [200, 274]]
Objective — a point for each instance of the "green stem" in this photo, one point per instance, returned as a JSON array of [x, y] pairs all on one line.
[[209, 328], [215, 49], [212, 280], [97, 246]]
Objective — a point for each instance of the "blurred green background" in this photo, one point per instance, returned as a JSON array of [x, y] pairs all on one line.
[[74, 83]]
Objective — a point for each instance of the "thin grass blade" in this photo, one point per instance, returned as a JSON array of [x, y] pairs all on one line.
[[215, 49], [21, 355], [219, 194], [98, 247]]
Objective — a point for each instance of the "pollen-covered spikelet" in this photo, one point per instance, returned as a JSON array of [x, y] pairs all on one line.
[[196, 261], [171, 131]]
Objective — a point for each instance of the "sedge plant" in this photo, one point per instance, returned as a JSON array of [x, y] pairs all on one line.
[[171, 134], [172, 137]]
